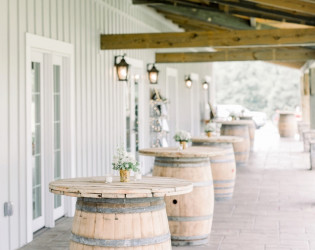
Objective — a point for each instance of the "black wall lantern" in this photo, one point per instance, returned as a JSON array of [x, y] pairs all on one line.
[[188, 81], [122, 68], [205, 85], [153, 73]]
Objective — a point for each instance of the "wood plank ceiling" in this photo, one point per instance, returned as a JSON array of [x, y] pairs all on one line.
[[222, 17]]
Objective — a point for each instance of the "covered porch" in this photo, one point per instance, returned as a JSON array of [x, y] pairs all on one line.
[[272, 208]]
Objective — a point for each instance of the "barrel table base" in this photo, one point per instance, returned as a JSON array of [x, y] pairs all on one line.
[[138, 224], [287, 125], [189, 215], [223, 169], [241, 149]]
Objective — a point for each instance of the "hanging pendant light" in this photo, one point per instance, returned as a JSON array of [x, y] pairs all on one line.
[[122, 68], [153, 73], [205, 85], [188, 81]]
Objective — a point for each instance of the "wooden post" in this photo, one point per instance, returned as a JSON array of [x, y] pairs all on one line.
[[312, 97], [305, 98]]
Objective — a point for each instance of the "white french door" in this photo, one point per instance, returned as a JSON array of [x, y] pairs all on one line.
[[37, 134], [46, 129]]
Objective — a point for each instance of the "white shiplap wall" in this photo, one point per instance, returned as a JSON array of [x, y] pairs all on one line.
[[99, 116]]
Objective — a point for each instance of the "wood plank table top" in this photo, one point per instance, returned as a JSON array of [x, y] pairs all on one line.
[[236, 122], [185, 153], [219, 139], [95, 187]]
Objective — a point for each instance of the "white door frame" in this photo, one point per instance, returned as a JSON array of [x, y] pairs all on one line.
[[66, 50], [174, 73]]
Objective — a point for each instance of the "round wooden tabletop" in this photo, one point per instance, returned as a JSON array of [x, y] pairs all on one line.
[[286, 113], [203, 152], [219, 139], [95, 187], [236, 122]]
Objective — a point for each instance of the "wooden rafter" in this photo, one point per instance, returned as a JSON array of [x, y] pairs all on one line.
[[206, 16], [292, 5], [239, 7], [248, 54], [241, 38], [294, 65], [191, 24]]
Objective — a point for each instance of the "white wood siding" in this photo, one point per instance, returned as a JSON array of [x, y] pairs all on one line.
[[99, 114]]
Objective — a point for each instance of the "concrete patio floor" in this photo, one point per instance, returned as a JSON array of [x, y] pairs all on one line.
[[273, 207]]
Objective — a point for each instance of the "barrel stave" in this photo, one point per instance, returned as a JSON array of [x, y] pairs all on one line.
[[189, 215], [241, 149], [120, 223]]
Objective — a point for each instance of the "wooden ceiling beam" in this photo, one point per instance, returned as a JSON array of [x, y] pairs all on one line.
[[292, 5], [238, 7], [207, 16], [191, 25], [240, 38], [294, 65], [253, 54]]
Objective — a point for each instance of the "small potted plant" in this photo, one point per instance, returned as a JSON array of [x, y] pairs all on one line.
[[234, 115], [182, 137], [125, 162], [210, 128]]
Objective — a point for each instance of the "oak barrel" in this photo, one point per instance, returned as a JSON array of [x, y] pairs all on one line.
[[287, 124], [241, 149], [119, 223], [223, 170], [189, 215], [252, 129], [308, 136]]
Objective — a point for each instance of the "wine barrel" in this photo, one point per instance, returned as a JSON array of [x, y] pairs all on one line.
[[189, 215], [101, 224], [308, 136], [241, 149], [252, 129], [223, 167], [287, 124]]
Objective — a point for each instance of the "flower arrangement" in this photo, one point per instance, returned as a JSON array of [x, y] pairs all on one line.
[[234, 115], [124, 162], [182, 135], [210, 127]]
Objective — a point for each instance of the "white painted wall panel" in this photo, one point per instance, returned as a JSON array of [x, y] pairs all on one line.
[[99, 112]]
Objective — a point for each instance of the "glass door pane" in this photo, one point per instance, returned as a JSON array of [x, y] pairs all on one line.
[[37, 187], [57, 129]]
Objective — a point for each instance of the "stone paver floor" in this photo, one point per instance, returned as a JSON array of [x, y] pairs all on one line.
[[273, 207]]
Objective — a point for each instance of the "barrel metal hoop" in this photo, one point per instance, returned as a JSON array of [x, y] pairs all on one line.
[[121, 200], [222, 188], [189, 218], [196, 237], [203, 184], [219, 144], [223, 181], [120, 243], [174, 164], [222, 161], [120, 210], [241, 153], [223, 194]]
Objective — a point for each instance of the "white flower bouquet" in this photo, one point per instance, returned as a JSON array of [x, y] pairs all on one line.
[[210, 127], [125, 161], [182, 135], [234, 115]]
